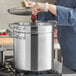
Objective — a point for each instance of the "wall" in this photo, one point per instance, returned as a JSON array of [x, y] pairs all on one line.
[[6, 18]]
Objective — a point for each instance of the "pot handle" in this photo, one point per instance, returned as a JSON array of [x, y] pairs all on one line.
[[52, 22], [16, 26], [11, 35], [11, 25]]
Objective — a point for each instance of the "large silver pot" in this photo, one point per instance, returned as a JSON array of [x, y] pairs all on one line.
[[33, 45]]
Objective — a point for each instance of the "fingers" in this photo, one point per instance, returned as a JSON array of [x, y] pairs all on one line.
[[30, 3], [35, 9], [26, 4], [34, 12]]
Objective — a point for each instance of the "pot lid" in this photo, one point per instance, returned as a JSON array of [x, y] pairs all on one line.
[[20, 11]]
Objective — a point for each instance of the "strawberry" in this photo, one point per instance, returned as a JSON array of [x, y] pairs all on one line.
[[5, 33], [33, 18]]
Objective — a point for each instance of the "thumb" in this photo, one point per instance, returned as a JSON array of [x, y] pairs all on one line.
[[30, 3]]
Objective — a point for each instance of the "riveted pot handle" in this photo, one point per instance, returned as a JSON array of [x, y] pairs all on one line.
[[11, 25], [12, 35], [53, 22]]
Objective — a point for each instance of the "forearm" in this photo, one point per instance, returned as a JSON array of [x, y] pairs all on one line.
[[53, 9]]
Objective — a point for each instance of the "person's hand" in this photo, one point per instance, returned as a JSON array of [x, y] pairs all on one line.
[[31, 4], [26, 3], [38, 7]]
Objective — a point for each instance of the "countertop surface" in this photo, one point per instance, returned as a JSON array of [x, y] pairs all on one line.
[[4, 36], [6, 41]]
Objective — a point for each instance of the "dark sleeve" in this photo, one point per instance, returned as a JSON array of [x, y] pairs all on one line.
[[45, 16], [66, 16]]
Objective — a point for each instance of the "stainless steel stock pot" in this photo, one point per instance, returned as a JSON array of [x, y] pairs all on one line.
[[33, 45]]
